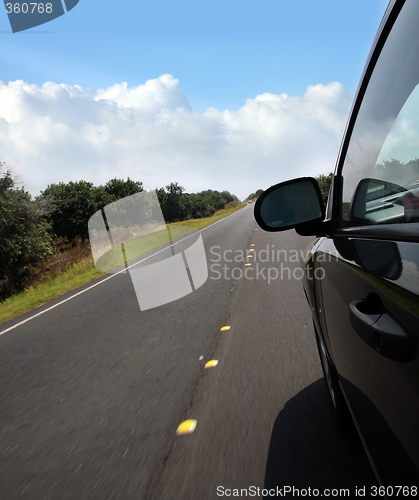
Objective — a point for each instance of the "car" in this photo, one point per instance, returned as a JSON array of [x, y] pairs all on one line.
[[362, 282]]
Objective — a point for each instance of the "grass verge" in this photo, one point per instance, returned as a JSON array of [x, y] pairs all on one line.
[[34, 296], [85, 271]]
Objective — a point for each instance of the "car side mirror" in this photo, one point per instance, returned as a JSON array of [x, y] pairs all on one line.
[[289, 205]]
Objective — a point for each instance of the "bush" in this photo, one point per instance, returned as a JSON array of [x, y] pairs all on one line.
[[25, 232]]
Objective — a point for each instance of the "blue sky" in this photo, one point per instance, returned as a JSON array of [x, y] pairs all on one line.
[[221, 53]]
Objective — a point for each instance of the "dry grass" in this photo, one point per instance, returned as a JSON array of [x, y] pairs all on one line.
[[69, 254], [70, 268]]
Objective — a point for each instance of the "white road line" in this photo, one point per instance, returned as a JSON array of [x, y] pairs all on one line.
[[108, 278]]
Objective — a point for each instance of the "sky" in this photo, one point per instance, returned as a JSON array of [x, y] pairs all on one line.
[[231, 95]]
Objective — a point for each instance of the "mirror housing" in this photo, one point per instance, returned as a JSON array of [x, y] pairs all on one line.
[[289, 205]]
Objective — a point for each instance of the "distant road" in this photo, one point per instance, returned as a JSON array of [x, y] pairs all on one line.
[[92, 391]]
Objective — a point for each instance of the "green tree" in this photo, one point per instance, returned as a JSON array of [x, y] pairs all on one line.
[[118, 188], [25, 236], [324, 182], [199, 207], [214, 199], [227, 196], [172, 202], [75, 203], [255, 195], [177, 205]]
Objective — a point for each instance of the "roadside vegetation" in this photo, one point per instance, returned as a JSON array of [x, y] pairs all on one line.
[[44, 245], [254, 196], [51, 287], [44, 242], [324, 182]]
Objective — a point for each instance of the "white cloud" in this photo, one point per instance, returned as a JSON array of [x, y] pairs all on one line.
[[150, 133]]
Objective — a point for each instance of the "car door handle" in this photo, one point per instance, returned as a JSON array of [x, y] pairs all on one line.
[[380, 331]]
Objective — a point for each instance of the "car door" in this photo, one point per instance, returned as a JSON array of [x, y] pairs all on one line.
[[369, 289]]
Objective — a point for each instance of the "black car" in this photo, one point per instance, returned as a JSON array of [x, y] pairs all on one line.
[[363, 269]]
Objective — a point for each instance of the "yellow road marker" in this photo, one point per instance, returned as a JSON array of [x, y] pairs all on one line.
[[224, 328], [248, 264], [252, 245], [212, 363], [250, 255], [252, 250], [186, 427]]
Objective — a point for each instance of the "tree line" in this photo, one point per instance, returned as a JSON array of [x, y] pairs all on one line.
[[177, 205], [75, 202], [30, 227], [254, 195]]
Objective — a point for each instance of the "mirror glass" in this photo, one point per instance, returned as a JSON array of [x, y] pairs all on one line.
[[289, 204]]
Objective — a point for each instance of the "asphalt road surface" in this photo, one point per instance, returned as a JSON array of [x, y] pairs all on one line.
[[93, 390]]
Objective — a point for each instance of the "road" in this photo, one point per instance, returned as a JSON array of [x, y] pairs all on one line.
[[93, 390]]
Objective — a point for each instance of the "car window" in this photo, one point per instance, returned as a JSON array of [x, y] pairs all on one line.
[[381, 170]]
